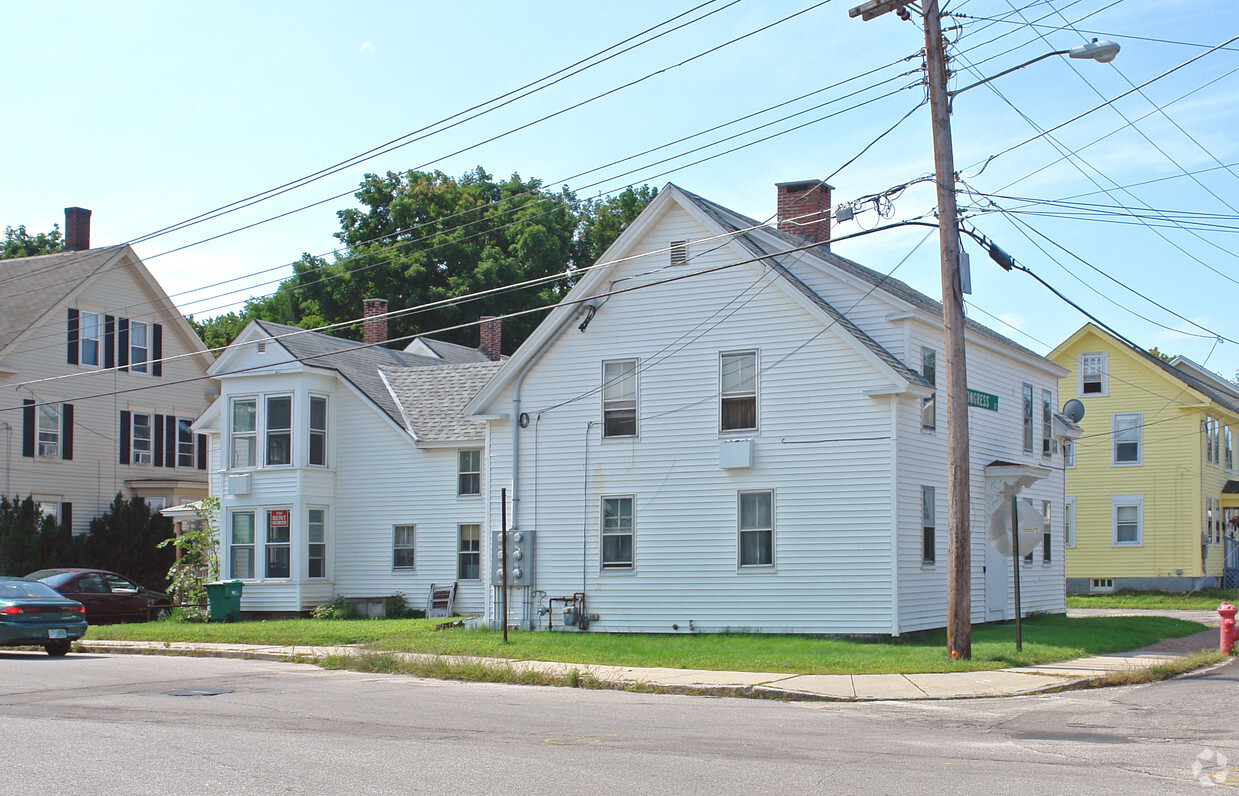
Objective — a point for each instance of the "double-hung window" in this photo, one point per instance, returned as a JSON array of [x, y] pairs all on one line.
[[756, 512], [1125, 431], [140, 438], [1028, 418], [318, 431], [619, 398], [469, 472], [403, 544], [738, 377], [279, 561], [316, 543], [469, 557], [139, 349], [1069, 453], [928, 525], [617, 532], [1069, 522], [185, 451], [1047, 422], [1228, 453], [1047, 546], [49, 430], [244, 432], [88, 338], [1093, 374], [1210, 458], [241, 548], [279, 428], [929, 406], [1127, 520]]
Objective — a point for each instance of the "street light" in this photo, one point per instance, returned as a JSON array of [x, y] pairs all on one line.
[[959, 533]]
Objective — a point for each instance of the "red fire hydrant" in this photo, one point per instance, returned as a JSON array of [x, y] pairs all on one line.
[[1229, 634]]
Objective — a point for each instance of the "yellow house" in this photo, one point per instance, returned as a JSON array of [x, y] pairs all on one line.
[[1151, 485]]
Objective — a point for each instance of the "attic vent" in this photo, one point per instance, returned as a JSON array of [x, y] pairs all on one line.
[[679, 252], [262, 346]]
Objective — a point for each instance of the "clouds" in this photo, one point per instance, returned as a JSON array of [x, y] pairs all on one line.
[[367, 48]]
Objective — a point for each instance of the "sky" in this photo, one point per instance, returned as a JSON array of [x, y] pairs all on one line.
[[150, 114]]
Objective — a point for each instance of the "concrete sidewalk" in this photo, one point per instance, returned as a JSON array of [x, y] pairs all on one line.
[[840, 687]]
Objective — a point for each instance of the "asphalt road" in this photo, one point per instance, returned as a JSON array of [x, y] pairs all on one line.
[[100, 724]]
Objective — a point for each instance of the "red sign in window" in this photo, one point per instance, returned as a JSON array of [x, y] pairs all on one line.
[[279, 518]]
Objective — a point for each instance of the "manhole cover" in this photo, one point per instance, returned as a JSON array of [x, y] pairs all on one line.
[[198, 692]]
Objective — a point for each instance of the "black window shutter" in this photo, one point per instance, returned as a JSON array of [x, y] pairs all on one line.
[[66, 516], [124, 438], [73, 332], [169, 456], [66, 432], [122, 343], [202, 452], [157, 349], [109, 341], [28, 427], [157, 440]]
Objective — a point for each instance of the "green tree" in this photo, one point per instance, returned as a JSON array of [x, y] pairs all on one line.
[[423, 237], [126, 539], [30, 541], [20, 243], [197, 562]]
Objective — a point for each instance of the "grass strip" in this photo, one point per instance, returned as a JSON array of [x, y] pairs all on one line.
[[1202, 600], [1161, 671]]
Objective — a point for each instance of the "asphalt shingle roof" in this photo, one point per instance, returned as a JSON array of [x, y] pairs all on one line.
[[453, 353], [433, 398], [35, 284]]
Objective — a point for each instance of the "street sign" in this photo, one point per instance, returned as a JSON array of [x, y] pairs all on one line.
[[983, 400]]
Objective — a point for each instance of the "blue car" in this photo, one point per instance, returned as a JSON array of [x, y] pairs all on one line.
[[33, 614]]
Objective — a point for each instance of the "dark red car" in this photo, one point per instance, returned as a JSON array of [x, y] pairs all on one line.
[[108, 597]]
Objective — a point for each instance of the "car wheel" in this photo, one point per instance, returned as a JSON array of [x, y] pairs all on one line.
[[57, 649], [159, 613]]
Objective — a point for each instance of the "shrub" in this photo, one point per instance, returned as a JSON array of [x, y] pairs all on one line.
[[396, 606], [336, 609]]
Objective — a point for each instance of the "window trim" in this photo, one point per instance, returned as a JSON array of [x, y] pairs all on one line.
[[740, 531], [929, 371], [462, 473], [1117, 501], [1028, 417], [310, 544], [1105, 374], [54, 432], [1114, 437], [1047, 423], [1228, 454], [251, 545], [233, 434], [184, 425], [411, 547], [268, 432], [929, 526], [636, 400], [135, 365], [474, 552], [134, 453], [631, 533], [311, 431], [1069, 522], [1069, 453], [1047, 533], [268, 544], [756, 393]]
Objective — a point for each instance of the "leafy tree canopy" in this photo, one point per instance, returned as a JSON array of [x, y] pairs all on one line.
[[20, 243], [422, 237]]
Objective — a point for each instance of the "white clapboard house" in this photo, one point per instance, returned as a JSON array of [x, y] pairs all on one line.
[[711, 433], [346, 469], [101, 378]]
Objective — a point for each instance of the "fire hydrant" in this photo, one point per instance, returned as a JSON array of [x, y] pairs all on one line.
[[1229, 634]]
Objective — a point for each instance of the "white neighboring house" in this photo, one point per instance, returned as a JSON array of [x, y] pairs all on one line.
[[346, 469], [100, 380], [710, 433]]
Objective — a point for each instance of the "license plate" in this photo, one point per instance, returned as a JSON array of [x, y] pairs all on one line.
[[56, 632]]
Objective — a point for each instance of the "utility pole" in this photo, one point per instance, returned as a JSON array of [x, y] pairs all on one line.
[[959, 534]]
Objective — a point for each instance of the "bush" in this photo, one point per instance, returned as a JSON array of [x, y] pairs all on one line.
[[30, 541], [396, 606], [336, 609], [126, 539]]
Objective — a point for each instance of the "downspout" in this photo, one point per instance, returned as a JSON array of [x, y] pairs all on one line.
[[894, 475]]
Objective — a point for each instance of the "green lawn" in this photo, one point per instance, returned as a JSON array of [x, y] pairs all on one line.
[[1046, 639], [1203, 600]]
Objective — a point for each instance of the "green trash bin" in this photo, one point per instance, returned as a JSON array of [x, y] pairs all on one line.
[[224, 600]]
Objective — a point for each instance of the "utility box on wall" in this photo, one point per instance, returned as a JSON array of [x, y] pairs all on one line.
[[520, 564]]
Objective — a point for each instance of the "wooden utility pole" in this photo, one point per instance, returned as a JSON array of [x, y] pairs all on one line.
[[503, 558], [959, 541]]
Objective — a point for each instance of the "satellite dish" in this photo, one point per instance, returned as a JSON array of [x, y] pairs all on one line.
[[1031, 527], [1074, 409]]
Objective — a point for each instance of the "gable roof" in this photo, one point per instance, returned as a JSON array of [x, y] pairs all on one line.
[[36, 284], [433, 399], [449, 352], [1182, 369], [357, 363]]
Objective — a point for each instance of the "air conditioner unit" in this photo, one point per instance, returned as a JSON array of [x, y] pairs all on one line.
[[239, 484]]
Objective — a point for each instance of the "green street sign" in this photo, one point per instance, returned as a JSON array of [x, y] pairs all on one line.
[[983, 400]]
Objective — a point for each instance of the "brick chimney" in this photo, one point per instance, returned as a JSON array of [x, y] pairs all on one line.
[[491, 334], [374, 321], [77, 229], [804, 210]]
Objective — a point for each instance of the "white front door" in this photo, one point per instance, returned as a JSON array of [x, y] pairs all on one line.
[[997, 573]]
